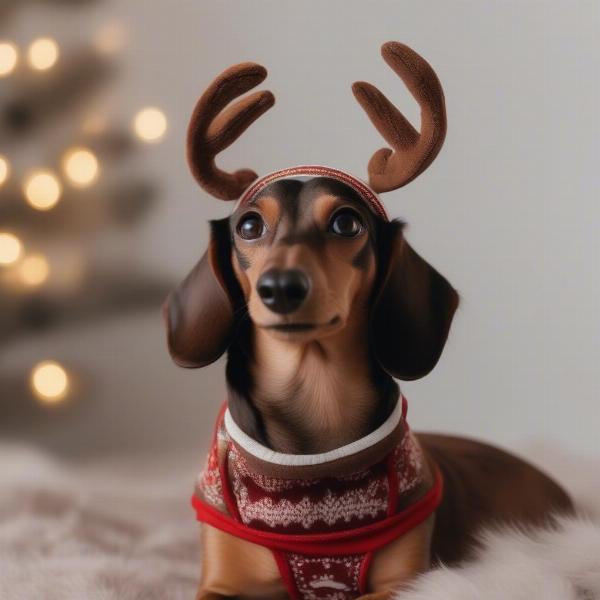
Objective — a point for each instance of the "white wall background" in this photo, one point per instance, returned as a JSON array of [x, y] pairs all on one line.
[[509, 211]]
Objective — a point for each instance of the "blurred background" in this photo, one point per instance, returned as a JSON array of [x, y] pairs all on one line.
[[99, 217]]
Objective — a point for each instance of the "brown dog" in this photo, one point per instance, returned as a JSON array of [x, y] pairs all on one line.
[[319, 302]]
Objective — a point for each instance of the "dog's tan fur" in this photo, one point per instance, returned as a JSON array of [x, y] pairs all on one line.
[[375, 310], [323, 370], [314, 392]]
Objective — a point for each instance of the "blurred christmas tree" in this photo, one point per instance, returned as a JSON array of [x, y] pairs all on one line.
[[70, 181]]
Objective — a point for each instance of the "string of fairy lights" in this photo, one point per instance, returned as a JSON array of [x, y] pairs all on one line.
[[42, 189]]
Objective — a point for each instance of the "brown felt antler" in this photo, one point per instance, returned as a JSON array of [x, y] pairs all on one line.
[[413, 151], [213, 129]]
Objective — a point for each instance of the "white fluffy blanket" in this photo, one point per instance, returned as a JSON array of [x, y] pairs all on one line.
[[73, 534], [558, 564]]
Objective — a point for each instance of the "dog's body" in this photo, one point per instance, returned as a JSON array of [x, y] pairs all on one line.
[[483, 486], [320, 301]]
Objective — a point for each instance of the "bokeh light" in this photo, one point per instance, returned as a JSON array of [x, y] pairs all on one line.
[[81, 167], [43, 54], [34, 270], [4, 169], [150, 124], [9, 56], [49, 382], [10, 248], [42, 190]]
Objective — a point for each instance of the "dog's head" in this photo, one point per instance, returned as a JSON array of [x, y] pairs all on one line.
[[309, 250]]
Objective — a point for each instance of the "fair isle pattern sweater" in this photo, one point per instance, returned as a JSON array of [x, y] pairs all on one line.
[[322, 515]]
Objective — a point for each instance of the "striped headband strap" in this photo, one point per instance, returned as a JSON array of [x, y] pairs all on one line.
[[356, 184]]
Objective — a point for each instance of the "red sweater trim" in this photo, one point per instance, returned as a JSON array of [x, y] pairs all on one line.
[[352, 541]]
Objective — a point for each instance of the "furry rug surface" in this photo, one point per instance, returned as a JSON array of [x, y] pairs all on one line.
[[91, 534], [562, 563], [68, 534]]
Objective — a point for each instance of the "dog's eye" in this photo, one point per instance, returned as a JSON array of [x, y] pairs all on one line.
[[346, 223], [251, 226]]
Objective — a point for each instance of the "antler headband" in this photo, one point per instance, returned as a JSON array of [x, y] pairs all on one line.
[[216, 124]]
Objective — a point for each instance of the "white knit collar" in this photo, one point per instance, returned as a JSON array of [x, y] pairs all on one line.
[[263, 453]]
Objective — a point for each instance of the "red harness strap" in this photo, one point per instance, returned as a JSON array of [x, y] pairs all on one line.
[[359, 540]]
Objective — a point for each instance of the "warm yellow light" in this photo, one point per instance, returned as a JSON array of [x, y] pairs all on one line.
[[43, 54], [81, 167], [10, 248], [42, 190], [49, 381], [34, 270], [8, 58], [150, 124], [4, 169]]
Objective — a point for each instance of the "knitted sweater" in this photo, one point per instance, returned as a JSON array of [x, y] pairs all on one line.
[[322, 515]]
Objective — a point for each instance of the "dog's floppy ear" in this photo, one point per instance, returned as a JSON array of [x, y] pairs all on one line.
[[413, 309], [199, 314]]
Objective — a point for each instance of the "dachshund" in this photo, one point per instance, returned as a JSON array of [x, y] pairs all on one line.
[[315, 487]]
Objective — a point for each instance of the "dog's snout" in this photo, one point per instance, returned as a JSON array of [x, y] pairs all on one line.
[[283, 291]]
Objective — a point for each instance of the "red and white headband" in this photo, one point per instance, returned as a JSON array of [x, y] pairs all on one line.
[[360, 187]]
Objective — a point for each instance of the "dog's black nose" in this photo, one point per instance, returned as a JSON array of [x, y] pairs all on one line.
[[283, 291]]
